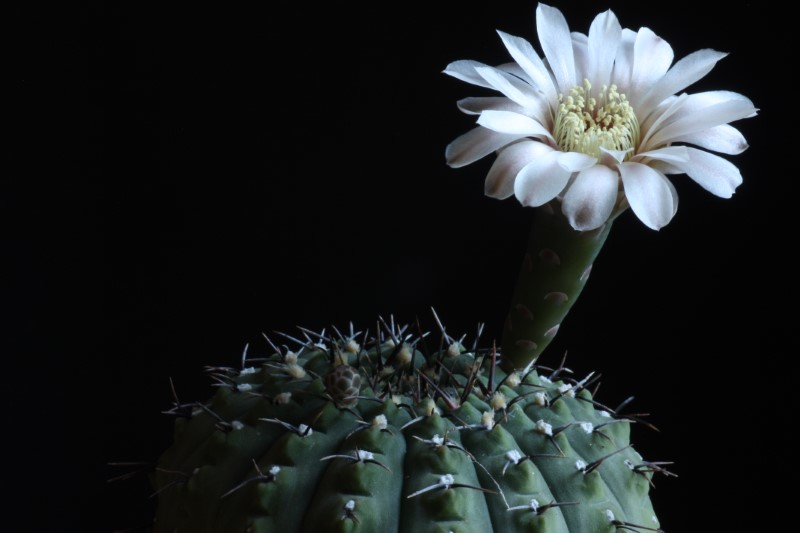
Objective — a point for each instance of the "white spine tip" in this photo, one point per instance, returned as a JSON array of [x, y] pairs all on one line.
[[364, 455], [498, 401], [380, 422], [514, 456], [291, 358], [454, 350], [544, 428], [352, 347], [282, 398], [540, 399], [566, 390], [447, 480], [487, 419], [513, 380]]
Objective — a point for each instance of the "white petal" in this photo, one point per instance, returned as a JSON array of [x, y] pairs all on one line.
[[682, 74], [514, 88], [611, 157], [576, 161], [604, 38], [649, 194], [665, 168], [557, 45], [510, 160], [514, 69], [510, 122], [474, 105], [662, 115], [465, 70], [669, 154], [623, 64], [580, 52], [475, 144], [541, 180], [687, 123], [674, 194], [724, 139], [689, 104], [591, 197], [527, 58], [698, 101], [652, 57], [715, 174]]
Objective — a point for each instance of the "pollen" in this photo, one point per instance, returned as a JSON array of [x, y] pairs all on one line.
[[587, 121]]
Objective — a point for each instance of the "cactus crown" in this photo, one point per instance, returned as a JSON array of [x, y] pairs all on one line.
[[400, 432]]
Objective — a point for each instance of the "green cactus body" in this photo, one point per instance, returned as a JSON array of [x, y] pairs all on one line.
[[340, 438]]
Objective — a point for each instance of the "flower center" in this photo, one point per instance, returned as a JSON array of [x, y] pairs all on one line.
[[585, 123]]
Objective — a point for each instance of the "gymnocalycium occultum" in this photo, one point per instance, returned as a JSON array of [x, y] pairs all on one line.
[[399, 430]]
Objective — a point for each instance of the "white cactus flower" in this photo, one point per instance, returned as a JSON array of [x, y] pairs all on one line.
[[597, 122]]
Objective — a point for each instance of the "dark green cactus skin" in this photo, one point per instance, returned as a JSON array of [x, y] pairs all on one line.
[[443, 442], [557, 264]]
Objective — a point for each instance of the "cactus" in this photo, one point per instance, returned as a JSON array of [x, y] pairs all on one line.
[[399, 430], [394, 435], [405, 432]]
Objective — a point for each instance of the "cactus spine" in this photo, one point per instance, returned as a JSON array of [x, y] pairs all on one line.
[[392, 436]]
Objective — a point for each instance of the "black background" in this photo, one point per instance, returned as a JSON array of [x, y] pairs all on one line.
[[194, 177]]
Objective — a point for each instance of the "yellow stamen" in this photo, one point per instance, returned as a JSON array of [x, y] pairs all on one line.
[[585, 124]]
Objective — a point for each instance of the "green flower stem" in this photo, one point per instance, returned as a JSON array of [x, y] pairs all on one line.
[[555, 269]]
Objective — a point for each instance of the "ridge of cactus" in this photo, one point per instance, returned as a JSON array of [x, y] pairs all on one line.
[[399, 432]]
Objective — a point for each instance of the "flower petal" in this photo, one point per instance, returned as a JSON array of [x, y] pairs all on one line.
[[515, 89], [611, 157], [724, 139], [527, 58], [669, 154], [475, 105], [649, 194], [510, 160], [623, 64], [591, 197], [652, 57], [718, 176], [475, 144], [556, 43], [682, 74], [576, 161], [605, 34], [465, 70], [510, 122], [580, 52], [541, 180], [683, 123]]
